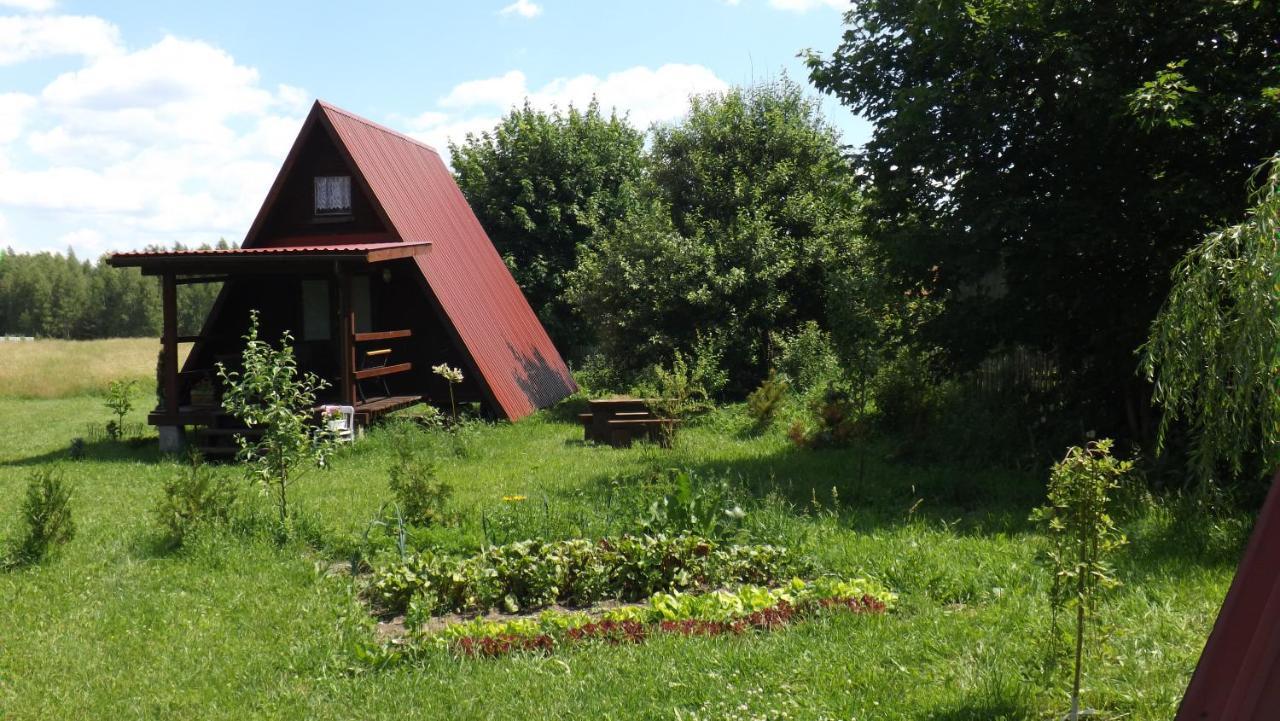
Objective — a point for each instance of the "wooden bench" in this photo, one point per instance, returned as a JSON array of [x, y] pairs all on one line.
[[622, 431]]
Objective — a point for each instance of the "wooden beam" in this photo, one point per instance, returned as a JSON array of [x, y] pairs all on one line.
[[187, 280], [396, 251], [346, 338], [169, 370], [383, 371], [382, 335]]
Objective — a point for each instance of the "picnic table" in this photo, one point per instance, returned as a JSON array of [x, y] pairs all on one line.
[[617, 421]]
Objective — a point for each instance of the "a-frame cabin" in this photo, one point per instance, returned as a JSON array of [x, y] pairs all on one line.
[[366, 250], [1238, 676]]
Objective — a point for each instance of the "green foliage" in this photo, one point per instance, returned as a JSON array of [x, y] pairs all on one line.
[[1161, 101], [46, 522], [1214, 349], [701, 506], [973, 104], [533, 574], [806, 356], [688, 385], [598, 376], [906, 394], [120, 402], [196, 496], [962, 569], [50, 295], [267, 394], [540, 182], [765, 401], [750, 199], [419, 493], [720, 606], [1082, 535], [838, 418]]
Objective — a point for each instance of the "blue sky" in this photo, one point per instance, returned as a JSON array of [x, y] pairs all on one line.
[[126, 124]]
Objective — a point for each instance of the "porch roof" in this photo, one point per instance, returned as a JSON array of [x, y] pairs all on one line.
[[299, 253]]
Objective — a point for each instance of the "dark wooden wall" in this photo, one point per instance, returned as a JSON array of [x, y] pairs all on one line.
[[396, 303], [293, 213]]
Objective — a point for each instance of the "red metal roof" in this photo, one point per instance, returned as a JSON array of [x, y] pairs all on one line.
[[213, 258], [417, 196], [1238, 677], [308, 248]]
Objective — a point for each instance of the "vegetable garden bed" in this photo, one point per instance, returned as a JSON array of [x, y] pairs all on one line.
[[617, 590]]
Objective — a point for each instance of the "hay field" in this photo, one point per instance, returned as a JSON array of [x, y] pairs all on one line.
[[65, 368]]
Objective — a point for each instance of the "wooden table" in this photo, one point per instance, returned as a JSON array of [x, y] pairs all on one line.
[[617, 420]]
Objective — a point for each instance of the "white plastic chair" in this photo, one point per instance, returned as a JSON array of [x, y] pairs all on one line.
[[341, 420]]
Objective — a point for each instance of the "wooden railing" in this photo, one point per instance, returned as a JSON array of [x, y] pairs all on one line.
[[360, 374]]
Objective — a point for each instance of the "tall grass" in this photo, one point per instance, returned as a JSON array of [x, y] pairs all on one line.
[[66, 368]]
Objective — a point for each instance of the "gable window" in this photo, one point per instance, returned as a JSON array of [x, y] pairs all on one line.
[[333, 195]]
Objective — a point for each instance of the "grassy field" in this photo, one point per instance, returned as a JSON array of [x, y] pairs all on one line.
[[236, 627], [63, 368]]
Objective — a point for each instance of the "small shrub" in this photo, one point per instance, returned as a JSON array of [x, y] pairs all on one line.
[[120, 402], [684, 389], [77, 450], [597, 376], [838, 421], [903, 391], [806, 356], [269, 394], [1081, 536], [764, 402], [704, 507], [45, 516], [194, 497], [419, 494]]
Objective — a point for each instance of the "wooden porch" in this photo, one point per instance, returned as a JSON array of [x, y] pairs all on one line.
[[360, 363]]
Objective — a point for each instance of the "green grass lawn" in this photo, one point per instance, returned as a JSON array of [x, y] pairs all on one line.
[[232, 627]]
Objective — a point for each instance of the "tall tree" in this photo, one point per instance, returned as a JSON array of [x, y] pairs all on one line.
[[1054, 159], [56, 296], [540, 182], [751, 201], [1214, 351]]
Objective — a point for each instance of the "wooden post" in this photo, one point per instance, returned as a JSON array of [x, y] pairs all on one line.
[[346, 339], [169, 341]]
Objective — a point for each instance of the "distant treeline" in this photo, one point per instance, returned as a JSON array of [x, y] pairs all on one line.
[[51, 295]]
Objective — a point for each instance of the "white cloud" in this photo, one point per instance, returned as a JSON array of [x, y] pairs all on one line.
[[647, 95], [437, 129], [171, 142], [26, 37], [523, 8], [504, 90], [644, 94], [14, 108], [32, 5], [87, 242], [807, 5]]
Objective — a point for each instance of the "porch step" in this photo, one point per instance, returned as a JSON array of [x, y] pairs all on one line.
[[372, 407]]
